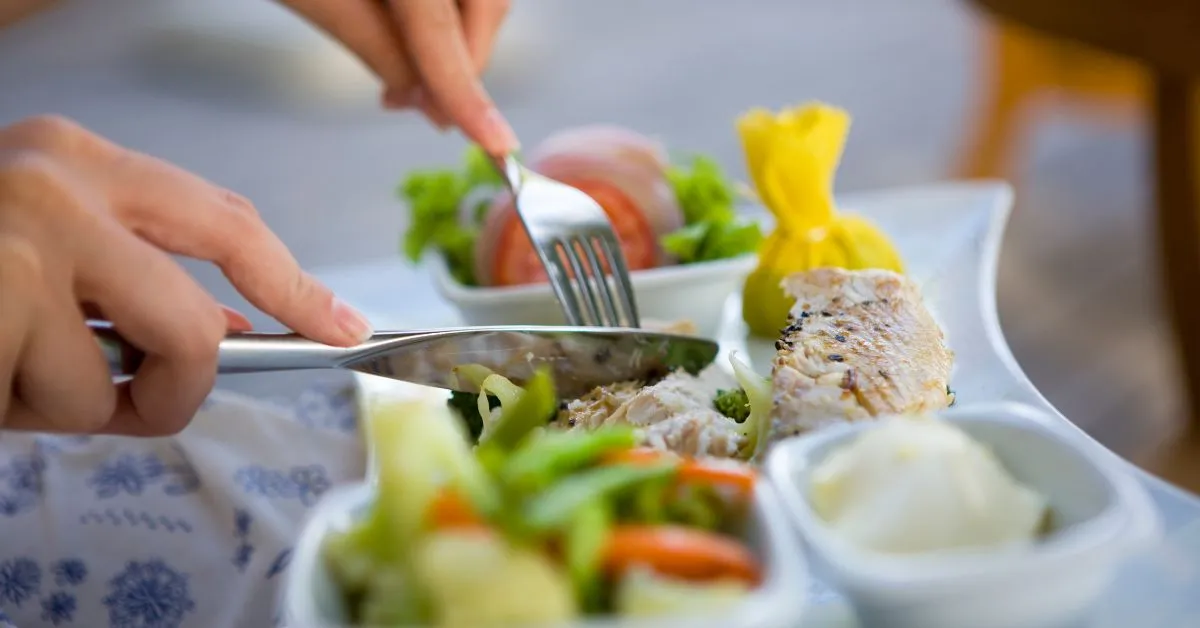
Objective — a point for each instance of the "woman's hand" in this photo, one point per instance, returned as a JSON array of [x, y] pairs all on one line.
[[86, 230], [429, 55]]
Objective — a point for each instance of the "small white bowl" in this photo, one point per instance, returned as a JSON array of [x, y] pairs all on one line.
[[1101, 516], [311, 599], [694, 292]]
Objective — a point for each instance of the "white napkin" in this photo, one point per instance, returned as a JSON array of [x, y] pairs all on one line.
[[188, 531]]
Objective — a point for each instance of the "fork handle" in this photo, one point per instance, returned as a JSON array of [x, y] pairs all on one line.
[[248, 352]]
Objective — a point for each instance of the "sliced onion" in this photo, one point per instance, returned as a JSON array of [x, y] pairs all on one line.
[[629, 161]]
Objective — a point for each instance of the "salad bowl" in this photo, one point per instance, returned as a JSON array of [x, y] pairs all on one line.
[[693, 292], [311, 599]]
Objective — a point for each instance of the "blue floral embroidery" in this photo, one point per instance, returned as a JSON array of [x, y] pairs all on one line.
[[280, 563], [69, 572], [56, 443], [141, 519], [125, 474], [21, 487], [59, 608], [183, 478], [305, 483], [241, 531], [148, 595], [132, 474], [328, 409], [20, 579]]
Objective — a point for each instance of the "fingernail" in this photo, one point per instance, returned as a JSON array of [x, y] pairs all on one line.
[[236, 321], [351, 322], [497, 127], [398, 98]]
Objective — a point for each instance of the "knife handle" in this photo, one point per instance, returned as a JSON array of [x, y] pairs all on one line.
[[249, 352]]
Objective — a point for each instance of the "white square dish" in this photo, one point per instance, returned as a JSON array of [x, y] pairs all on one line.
[[1101, 515], [949, 235]]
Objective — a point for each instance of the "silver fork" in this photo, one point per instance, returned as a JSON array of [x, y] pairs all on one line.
[[572, 235]]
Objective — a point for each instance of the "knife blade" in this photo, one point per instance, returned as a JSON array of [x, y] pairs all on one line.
[[578, 358]]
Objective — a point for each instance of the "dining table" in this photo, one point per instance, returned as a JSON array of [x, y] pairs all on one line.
[[86, 61]]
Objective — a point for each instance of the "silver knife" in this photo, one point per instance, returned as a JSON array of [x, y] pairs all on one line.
[[579, 358]]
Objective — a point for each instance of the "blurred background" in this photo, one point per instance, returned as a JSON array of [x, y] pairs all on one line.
[[247, 96]]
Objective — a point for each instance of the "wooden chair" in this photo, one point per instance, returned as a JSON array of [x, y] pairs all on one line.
[[1163, 38], [1026, 75]]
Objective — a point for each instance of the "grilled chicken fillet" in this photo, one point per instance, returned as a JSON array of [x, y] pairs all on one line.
[[858, 344]]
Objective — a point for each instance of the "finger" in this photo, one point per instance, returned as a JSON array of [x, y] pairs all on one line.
[[367, 30], [417, 99], [423, 102], [182, 213], [481, 20], [64, 376], [235, 320], [165, 314], [432, 31], [20, 274]]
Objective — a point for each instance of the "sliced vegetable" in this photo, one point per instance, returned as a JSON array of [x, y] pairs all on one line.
[[532, 407], [353, 555], [557, 505], [695, 505], [640, 455], [390, 599], [478, 580], [542, 461], [467, 407], [586, 537], [629, 162], [757, 426], [713, 473], [450, 510], [506, 257], [643, 593], [680, 552], [420, 452]]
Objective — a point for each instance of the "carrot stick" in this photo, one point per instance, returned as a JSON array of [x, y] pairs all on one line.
[[450, 510], [686, 553], [740, 478]]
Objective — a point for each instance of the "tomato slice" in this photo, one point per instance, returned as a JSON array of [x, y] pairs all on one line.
[[516, 262]]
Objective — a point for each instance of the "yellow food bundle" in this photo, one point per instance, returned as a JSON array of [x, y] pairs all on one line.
[[792, 157]]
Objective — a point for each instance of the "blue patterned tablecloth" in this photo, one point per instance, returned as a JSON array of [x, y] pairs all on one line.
[[188, 531]]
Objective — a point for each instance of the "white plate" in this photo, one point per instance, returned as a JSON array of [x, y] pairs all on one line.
[[949, 236]]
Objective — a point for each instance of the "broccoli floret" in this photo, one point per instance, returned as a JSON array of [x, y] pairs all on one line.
[[467, 407], [733, 403]]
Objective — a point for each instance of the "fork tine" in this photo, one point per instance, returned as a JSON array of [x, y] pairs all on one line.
[[584, 279], [620, 274], [560, 282], [605, 290]]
